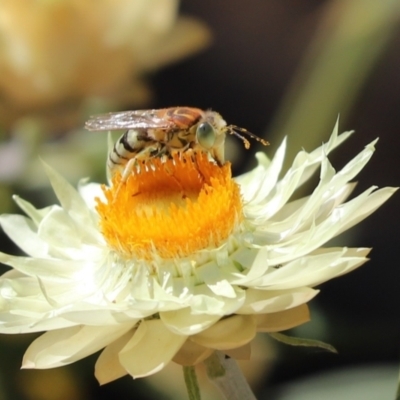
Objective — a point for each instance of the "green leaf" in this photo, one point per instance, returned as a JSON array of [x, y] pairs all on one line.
[[295, 341]]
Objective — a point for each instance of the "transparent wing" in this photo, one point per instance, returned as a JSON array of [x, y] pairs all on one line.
[[128, 120]]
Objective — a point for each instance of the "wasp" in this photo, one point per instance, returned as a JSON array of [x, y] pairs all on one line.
[[164, 132]]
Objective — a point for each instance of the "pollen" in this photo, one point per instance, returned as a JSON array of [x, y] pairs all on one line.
[[170, 208]]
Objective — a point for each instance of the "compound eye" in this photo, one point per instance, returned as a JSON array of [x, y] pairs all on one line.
[[205, 135]]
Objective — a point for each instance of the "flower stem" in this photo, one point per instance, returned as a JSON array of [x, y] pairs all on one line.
[[192, 385], [224, 372]]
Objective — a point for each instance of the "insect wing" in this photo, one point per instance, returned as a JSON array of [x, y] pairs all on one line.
[[140, 119]]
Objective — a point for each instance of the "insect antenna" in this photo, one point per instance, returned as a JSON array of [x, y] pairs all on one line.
[[233, 130]]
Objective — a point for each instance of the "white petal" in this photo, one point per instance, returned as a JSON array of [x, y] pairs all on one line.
[[35, 214], [316, 156], [96, 314], [65, 346], [374, 201], [68, 196], [303, 167], [271, 301], [23, 231], [258, 183], [56, 270], [72, 202], [108, 368], [204, 301], [59, 230], [16, 324], [184, 322], [304, 242], [150, 349], [89, 193], [246, 180], [191, 353], [312, 269], [283, 320], [229, 333], [212, 275]]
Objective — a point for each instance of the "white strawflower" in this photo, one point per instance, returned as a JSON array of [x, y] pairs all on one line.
[[179, 261]]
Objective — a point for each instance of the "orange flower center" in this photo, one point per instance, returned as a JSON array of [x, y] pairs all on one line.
[[170, 208]]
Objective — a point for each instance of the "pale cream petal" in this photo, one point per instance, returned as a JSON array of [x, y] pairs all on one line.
[[16, 324], [184, 322], [231, 332], [23, 231], [312, 269], [58, 229], [240, 353], [317, 155], [246, 180], [375, 200], [65, 346], [272, 301], [152, 347], [32, 212], [191, 353], [68, 196], [108, 368], [257, 184], [283, 320], [303, 167], [205, 301], [89, 192], [213, 276], [72, 202], [56, 270], [95, 314]]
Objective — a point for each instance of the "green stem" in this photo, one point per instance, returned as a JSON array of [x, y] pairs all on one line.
[[224, 372], [192, 385]]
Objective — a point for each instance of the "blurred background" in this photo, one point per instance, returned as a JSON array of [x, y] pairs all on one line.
[[275, 67]]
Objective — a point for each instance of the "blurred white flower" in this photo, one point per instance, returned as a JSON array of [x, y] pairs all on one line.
[[178, 261], [57, 55]]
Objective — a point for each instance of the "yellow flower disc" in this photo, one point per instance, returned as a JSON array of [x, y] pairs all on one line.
[[170, 208]]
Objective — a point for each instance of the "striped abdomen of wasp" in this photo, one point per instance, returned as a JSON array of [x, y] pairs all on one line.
[[164, 132]]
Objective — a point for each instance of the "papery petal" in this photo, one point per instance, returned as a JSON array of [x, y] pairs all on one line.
[[272, 301], [321, 152], [191, 353], [23, 231], [204, 301], [108, 368], [150, 349], [258, 183], [234, 331], [73, 203], [32, 212], [57, 270], [313, 269], [16, 324], [59, 229], [375, 200], [65, 346], [283, 320], [184, 322], [89, 192], [68, 196], [240, 353]]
